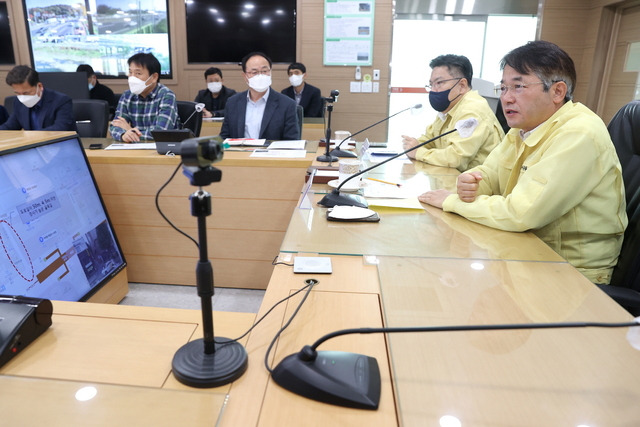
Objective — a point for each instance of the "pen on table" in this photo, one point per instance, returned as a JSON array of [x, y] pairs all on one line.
[[385, 182]]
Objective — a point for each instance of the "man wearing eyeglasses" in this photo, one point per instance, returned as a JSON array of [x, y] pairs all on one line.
[[450, 94], [259, 112], [556, 172]]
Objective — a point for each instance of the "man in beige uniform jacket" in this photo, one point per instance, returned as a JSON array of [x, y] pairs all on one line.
[[556, 172], [450, 94]]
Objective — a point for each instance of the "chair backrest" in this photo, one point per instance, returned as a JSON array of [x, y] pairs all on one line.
[[8, 103], [624, 129], [626, 273], [486, 89], [92, 117], [188, 118], [300, 113]]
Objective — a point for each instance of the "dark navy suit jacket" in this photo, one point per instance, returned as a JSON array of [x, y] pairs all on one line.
[[55, 112], [311, 99], [3, 114], [279, 122]]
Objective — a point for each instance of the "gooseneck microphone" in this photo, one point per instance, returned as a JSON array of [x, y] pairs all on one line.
[[326, 157], [353, 380], [198, 109], [464, 127], [342, 153]]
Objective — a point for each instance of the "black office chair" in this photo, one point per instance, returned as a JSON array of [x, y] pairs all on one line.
[[92, 117], [189, 117], [300, 113], [624, 129]]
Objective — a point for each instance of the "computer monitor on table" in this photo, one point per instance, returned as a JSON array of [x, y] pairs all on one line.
[[56, 238]]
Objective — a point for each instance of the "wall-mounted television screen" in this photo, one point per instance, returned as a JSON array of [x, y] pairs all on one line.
[[225, 31], [56, 238], [101, 33]]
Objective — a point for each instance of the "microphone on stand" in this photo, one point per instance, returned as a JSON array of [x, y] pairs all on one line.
[[326, 157], [198, 109], [342, 153], [353, 380], [464, 127]]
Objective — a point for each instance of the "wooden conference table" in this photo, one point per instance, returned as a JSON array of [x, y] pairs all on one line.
[[438, 269]]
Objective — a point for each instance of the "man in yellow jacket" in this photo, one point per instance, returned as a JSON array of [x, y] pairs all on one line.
[[450, 94], [555, 173]]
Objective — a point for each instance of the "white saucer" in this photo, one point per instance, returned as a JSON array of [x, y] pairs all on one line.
[[348, 187]]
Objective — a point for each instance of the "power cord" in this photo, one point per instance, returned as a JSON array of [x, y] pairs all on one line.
[[280, 262], [160, 210], [309, 287], [309, 283]]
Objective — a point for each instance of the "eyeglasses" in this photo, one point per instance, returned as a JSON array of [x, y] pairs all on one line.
[[264, 72], [502, 90], [438, 85]]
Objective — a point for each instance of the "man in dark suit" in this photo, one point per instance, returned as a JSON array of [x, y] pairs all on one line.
[[215, 96], [37, 108], [260, 113], [96, 89], [303, 93]]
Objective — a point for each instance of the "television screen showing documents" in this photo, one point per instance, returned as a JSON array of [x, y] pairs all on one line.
[[56, 240]]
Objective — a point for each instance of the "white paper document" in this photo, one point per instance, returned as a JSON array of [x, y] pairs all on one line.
[[287, 145], [282, 154], [245, 141], [132, 146]]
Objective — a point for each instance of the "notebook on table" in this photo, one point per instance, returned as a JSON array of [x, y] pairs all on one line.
[[169, 141]]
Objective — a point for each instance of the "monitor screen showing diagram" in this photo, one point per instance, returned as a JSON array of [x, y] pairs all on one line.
[[56, 240]]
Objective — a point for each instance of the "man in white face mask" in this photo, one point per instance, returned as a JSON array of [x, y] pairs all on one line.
[[35, 107], [148, 105], [260, 113], [303, 93], [215, 96]]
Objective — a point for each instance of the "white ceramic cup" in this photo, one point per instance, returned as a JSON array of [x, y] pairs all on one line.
[[342, 134], [346, 168]]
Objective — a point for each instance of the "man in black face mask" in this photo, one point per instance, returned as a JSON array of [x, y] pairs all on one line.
[[450, 94]]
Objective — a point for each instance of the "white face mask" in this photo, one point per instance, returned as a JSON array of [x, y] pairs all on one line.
[[260, 82], [29, 100], [214, 87], [137, 86], [296, 80]]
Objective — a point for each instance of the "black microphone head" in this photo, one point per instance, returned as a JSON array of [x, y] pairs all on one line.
[[335, 92], [417, 106]]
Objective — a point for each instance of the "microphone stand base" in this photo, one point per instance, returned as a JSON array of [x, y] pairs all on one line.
[[327, 158], [195, 368], [342, 153], [338, 199], [334, 377]]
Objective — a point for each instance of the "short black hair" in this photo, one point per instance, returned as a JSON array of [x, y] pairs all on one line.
[[297, 66], [146, 60], [458, 66], [22, 73], [252, 54], [547, 61], [87, 69], [212, 70]]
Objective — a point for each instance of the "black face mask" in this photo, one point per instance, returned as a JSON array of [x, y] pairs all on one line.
[[440, 100]]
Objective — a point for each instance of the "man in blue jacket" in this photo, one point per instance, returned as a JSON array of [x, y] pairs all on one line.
[[37, 108], [260, 112]]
